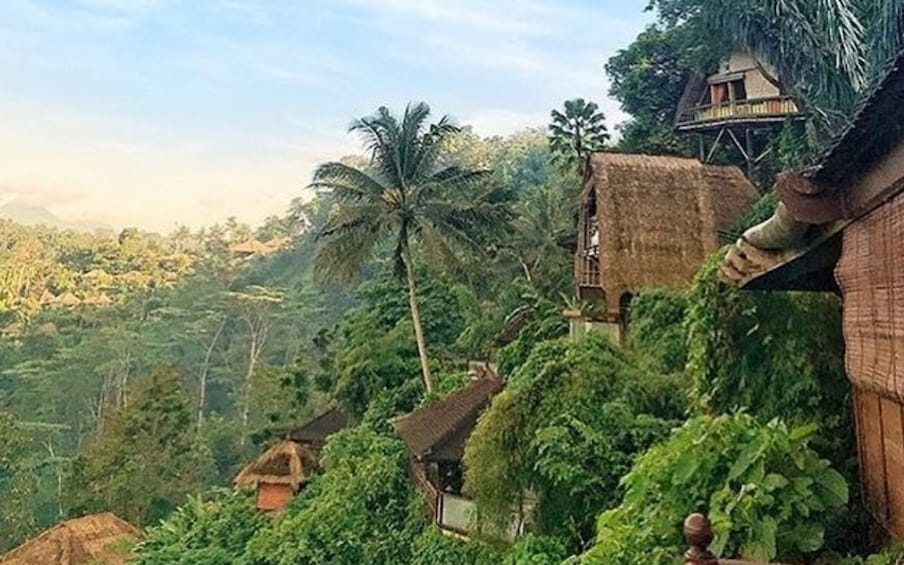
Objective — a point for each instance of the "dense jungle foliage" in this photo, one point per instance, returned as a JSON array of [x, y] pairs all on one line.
[[139, 373]]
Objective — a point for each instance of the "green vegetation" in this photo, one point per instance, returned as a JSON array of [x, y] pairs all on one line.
[[137, 370], [566, 429], [767, 493]]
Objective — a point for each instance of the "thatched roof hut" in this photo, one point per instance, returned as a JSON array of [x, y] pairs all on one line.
[[96, 539], [47, 297], [649, 223], [286, 463], [67, 300], [98, 300], [250, 247], [278, 474]]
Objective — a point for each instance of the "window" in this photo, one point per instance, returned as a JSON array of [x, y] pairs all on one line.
[[738, 90]]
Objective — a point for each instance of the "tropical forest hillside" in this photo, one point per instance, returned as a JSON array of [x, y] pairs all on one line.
[[140, 373]]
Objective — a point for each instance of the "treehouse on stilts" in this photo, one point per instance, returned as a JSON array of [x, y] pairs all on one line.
[[737, 106]]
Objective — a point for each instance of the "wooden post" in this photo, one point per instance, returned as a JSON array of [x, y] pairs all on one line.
[[698, 532]]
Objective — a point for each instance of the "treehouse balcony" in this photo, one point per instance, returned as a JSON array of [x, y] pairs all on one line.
[[739, 112]]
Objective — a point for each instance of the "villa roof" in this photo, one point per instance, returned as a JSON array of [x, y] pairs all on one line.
[[427, 430], [660, 217], [316, 431]]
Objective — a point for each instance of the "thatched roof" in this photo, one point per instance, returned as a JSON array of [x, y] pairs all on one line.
[[67, 300], [316, 431], [286, 463], [94, 539], [278, 243], [250, 247], [47, 297], [439, 430], [99, 300], [660, 217]]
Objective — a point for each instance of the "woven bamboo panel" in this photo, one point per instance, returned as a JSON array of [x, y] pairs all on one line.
[[880, 435], [871, 276]]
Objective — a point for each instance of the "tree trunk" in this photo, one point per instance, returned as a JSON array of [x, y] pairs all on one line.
[[258, 330], [416, 320], [202, 385]]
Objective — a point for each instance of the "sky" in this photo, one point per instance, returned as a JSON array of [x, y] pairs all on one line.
[[159, 113]]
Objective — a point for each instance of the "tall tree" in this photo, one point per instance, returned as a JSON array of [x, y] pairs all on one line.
[[576, 132], [147, 459], [404, 196], [16, 488]]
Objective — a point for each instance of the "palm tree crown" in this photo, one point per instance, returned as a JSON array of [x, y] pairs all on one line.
[[403, 197], [576, 133]]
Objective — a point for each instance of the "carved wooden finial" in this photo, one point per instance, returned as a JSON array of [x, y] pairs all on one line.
[[698, 531]]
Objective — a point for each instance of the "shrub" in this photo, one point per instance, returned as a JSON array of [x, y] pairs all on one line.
[[204, 531], [360, 510], [767, 492], [657, 328], [774, 355], [433, 548], [566, 429]]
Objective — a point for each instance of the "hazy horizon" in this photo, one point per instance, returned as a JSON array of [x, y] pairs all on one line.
[[158, 113]]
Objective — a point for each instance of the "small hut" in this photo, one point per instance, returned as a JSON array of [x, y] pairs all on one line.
[[840, 228], [249, 248], [648, 223], [742, 90], [67, 300], [98, 300], [278, 474], [435, 435], [313, 435], [96, 539]]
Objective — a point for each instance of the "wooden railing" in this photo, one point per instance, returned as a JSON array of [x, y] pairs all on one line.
[[773, 107]]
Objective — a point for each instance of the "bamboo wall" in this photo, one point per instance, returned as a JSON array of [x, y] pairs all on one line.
[[871, 276]]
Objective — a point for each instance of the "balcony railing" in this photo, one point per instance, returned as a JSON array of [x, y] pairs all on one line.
[[455, 514], [773, 107], [589, 268]]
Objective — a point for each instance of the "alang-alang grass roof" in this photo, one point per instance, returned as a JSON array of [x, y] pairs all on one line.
[[286, 463], [659, 217], [96, 539]]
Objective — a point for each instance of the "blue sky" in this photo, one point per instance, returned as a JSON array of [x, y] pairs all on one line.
[[163, 112]]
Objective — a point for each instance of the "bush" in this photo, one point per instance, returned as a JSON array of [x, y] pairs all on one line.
[[433, 548], [360, 510], [774, 355], [657, 328], [203, 531], [566, 429], [766, 491], [536, 550]]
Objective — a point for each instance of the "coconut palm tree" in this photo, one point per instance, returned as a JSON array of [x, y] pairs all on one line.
[[575, 133], [404, 197]]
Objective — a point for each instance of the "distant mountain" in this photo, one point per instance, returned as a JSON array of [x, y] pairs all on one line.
[[33, 215]]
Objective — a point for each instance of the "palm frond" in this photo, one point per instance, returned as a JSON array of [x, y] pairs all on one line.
[[348, 183]]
